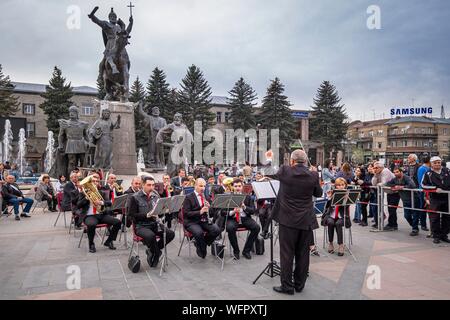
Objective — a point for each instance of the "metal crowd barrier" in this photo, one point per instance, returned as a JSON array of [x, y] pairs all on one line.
[[380, 202]]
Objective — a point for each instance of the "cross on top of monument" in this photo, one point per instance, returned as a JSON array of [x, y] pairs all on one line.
[[131, 6]]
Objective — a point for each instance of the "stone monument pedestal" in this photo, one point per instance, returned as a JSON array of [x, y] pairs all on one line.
[[124, 144]]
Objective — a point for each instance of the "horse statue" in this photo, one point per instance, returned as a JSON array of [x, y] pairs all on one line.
[[115, 65]]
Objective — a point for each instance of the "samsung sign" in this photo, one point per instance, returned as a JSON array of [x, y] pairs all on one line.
[[400, 111]]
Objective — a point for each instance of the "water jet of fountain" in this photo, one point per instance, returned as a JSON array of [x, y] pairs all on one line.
[[7, 141]]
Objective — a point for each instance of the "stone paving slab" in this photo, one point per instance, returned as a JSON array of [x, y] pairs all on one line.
[[35, 257]]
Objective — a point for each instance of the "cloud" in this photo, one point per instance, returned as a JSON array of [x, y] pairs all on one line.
[[301, 42]]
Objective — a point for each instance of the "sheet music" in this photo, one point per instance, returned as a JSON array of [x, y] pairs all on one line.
[[263, 190]]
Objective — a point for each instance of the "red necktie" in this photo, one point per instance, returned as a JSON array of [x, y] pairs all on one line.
[[236, 211], [336, 212], [201, 198], [167, 192], [94, 210], [112, 196]]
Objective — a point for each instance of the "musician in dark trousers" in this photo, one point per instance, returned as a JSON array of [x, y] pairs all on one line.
[[196, 210], [241, 217], [96, 213], [292, 210], [139, 206]]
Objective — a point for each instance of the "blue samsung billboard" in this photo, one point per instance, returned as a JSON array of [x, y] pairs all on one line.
[[411, 111]]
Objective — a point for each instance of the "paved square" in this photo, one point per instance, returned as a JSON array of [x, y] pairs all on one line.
[[35, 257]]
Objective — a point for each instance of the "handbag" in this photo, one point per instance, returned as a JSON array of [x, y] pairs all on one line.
[[259, 246], [134, 264]]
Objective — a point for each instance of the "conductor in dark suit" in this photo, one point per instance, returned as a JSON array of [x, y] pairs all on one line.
[[292, 210]]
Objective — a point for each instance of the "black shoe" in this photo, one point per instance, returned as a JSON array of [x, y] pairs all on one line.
[[53, 210], [299, 289], [375, 226], [236, 255], [283, 290], [17, 218], [110, 245], [265, 235], [445, 239], [92, 248], [389, 228], [200, 253], [363, 224], [25, 215], [414, 233], [247, 255], [425, 228], [155, 259], [436, 241]]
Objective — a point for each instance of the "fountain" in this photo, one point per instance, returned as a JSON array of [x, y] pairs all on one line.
[[49, 152], [141, 157], [7, 141], [140, 161], [21, 162]]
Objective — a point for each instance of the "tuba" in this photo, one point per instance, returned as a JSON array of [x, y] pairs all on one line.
[[90, 191], [228, 184]]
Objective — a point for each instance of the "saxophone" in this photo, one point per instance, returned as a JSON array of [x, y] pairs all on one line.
[[91, 192]]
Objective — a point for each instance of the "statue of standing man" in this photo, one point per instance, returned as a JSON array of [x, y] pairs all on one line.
[[101, 134], [73, 139], [155, 123]]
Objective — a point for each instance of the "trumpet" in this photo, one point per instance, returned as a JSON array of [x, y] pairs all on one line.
[[228, 184]]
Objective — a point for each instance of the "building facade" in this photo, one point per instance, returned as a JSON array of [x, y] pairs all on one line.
[[395, 139]]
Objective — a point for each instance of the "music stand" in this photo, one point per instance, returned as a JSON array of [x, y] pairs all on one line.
[[120, 203], [267, 190], [173, 204], [161, 208], [226, 201], [345, 198]]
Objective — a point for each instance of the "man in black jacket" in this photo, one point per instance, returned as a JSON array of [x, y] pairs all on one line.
[[70, 198], [196, 210], [91, 216], [13, 196], [241, 217], [136, 186], [292, 210], [439, 179], [139, 205]]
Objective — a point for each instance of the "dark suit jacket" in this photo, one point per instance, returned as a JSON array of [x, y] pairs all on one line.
[[9, 192], [294, 205], [83, 204], [175, 181], [69, 188], [191, 209], [129, 191]]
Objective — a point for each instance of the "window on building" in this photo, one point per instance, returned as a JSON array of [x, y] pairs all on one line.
[[416, 130], [395, 131], [31, 129], [445, 131], [405, 143], [370, 133], [425, 143], [380, 133], [380, 145], [218, 117], [87, 110], [29, 109], [444, 145], [424, 130], [227, 116]]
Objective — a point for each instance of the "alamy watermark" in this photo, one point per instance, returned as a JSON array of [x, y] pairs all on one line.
[[73, 281], [374, 19], [373, 281], [235, 145]]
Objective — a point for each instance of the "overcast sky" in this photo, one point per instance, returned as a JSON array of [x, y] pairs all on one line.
[[301, 42]]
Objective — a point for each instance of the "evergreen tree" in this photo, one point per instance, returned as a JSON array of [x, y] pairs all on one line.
[[101, 88], [241, 104], [57, 100], [276, 114], [137, 93], [158, 93], [8, 103], [328, 122], [194, 99]]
